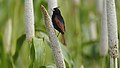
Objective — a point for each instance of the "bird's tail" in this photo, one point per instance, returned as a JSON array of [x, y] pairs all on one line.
[[63, 38]]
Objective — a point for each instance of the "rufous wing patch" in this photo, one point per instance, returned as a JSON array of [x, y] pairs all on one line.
[[60, 24]]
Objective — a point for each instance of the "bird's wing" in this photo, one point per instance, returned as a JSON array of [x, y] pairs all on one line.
[[60, 24], [60, 18]]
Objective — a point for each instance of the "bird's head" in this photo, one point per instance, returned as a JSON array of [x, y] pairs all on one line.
[[56, 10]]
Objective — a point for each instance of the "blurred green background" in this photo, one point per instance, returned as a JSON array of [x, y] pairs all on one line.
[[82, 21]]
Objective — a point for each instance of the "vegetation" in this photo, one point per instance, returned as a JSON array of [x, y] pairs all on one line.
[[82, 48]]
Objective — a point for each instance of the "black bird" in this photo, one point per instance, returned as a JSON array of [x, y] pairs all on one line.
[[58, 22]]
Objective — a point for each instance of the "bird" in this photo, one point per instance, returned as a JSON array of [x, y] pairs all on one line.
[[58, 23]]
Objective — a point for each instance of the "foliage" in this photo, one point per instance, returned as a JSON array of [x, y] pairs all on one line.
[[81, 49]]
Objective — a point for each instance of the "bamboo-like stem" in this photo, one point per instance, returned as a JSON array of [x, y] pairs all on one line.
[[111, 62], [104, 32], [99, 4], [93, 27], [53, 40], [7, 36], [115, 63], [112, 32], [51, 4], [29, 19]]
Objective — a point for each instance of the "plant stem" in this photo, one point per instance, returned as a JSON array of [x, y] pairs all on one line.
[[104, 32], [7, 36], [53, 40], [51, 4], [29, 19], [111, 62], [116, 64], [112, 32]]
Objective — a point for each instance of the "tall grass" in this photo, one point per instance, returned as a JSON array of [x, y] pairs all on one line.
[[82, 50]]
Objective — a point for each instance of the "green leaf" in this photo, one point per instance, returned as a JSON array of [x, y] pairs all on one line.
[[32, 53], [51, 66], [42, 66], [39, 48], [48, 55], [42, 35], [19, 44], [23, 60], [67, 57], [3, 58]]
